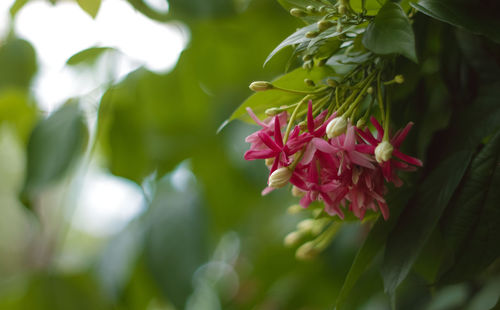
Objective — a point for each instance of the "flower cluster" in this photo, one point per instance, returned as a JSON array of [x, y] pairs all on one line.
[[326, 158]]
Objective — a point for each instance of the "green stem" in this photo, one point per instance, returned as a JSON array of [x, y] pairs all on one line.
[[379, 96], [292, 118], [302, 92]]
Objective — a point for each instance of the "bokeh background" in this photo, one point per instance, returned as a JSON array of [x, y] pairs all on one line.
[[117, 192]]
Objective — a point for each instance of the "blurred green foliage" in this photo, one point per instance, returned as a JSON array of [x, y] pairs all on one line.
[[207, 239]]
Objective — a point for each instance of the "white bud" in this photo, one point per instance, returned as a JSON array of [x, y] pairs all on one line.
[[383, 151], [336, 127], [292, 239], [260, 86], [280, 177], [306, 225], [269, 161], [306, 251], [294, 209], [297, 192]]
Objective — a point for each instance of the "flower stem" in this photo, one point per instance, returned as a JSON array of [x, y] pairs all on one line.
[[292, 118]]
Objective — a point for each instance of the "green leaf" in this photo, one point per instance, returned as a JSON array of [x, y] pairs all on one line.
[[261, 101], [18, 63], [375, 241], [473, 227], [391, 33], [420, 218], [479, 19], [91, 7], [297, 37], [17, 110], [88, 56], [54, 145], [175, 245]]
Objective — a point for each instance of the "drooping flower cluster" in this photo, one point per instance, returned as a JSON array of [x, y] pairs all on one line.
[[329, 159]]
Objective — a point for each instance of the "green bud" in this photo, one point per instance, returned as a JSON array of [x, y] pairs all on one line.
[[307, 65], [309, 82], [331, 82], [272, 111], [306, 225], [307, 251], [294, 209], [399, 79], [260, 86], [295, 12], [324, 24], [369, 90], [361, 123], [311, 9], [312, 34], [292, 239]]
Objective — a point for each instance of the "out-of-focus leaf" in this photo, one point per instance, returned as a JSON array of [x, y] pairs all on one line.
[[450, 297], [88, 56], [261, 101], [18, 63], [474, 231], [391, 33], [17, 110], [420, 218], [480, 18], [54, 145], [152, 122], [91, 7], [297, 37], [487, 297], [175, 244], [373, 243]]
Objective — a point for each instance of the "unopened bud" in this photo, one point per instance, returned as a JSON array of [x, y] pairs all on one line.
[[324, 24], [361, 123], [323, 9], [306, 57], [306, 225], [311, 9], [294, 209], [280, 177], [269, 161], [272, 111], [336, 127], [292, 239], [306, 251], [311, 34], [369, 90], [383, 151], [297, 192], [298, 12], [260, 86], [399, 79], [307, 65], [331, 82], [309, 82], [342, 9]]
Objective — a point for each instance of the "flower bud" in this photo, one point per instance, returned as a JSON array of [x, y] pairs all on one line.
[[292, 239], [309, 82], [307, 57], [306, 251], [294, 209], [361, 123], [297, 192], [331, 82], [272, 111], [260, 86], [369, 90], [336, 127], [383, 152], [307, 65], [311, 34], [311, 9], [323, 9], [295, 12], [399, 79], [269, 161], [280, 177], [324, 24], [305, 225], [342, 9]]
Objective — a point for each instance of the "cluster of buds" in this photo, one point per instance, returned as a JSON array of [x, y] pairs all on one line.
[[326, 158]]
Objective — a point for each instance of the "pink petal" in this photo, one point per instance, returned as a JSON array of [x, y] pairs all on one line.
[[269, 142], [401, 135], [323, 146], [258, 154], [255, 118], [411, 160], [377, 126]]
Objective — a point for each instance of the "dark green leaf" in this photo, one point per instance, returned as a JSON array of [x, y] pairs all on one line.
[[473, 227], [88, 56], [91, 7], [261, 101], [54, 145], [18, 63], [373, 243], [297, 37], [175, 245], [479, 18], [391, 33], [420, 218]]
